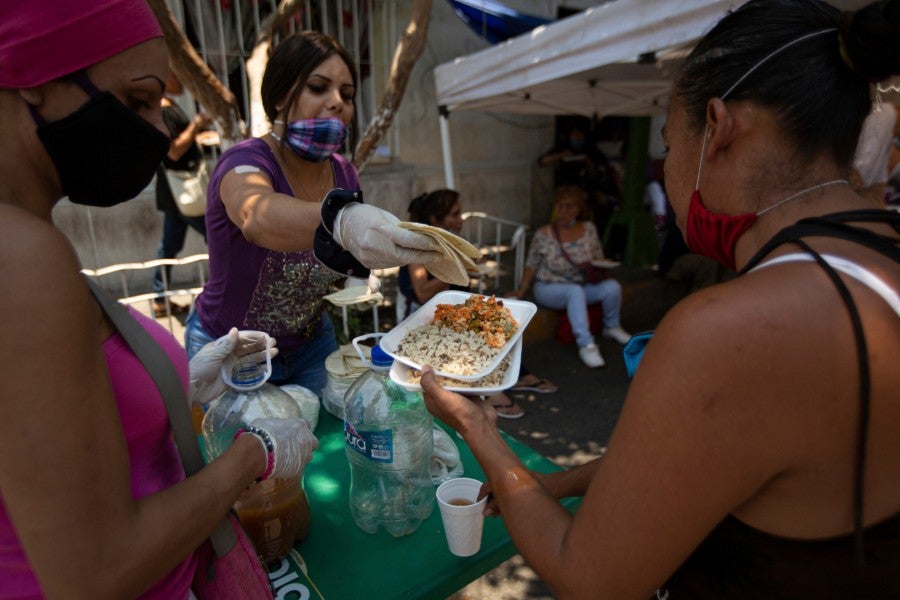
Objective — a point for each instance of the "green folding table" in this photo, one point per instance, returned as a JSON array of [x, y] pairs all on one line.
[[345, 562]]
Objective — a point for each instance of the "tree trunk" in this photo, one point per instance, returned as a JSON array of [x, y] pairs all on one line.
[[278, 19], [409, 49], [216, 99]]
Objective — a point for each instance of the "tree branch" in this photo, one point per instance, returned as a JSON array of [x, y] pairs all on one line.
[[409, 49], [196, 76]]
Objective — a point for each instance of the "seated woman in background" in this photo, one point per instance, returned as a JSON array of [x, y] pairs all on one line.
[[416, 286], [552, 264]]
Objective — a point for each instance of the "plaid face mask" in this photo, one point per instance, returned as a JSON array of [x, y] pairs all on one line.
[[314, 139]]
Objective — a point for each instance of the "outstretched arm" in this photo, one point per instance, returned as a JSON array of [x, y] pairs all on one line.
[[685, 453]]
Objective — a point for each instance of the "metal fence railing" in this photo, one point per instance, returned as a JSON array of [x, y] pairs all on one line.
[[495, 237], [116, 279], [225, 35]]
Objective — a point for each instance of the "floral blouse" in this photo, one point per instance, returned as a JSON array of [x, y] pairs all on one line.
[[548, 262]]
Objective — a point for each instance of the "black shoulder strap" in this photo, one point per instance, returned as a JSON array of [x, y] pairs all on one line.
[[163, 373], [865, 391], [838, 225]]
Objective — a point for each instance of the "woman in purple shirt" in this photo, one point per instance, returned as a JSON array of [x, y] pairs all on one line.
[[264, 273]]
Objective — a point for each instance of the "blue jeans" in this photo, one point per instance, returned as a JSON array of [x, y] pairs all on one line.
[[175, 227], [575, 297], [304, 366]]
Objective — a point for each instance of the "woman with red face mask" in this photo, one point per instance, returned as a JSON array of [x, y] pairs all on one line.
[[757, 451]]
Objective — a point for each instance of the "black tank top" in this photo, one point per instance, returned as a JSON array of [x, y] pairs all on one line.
[[738, 561]]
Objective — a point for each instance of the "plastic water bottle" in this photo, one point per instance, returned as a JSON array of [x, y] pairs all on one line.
[[388, 441], [275, 513]]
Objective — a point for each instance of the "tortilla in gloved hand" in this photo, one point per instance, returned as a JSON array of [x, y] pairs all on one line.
[[457, 256]]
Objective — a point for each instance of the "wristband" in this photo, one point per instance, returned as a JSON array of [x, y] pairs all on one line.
[[325, 249], [334, 201], [333, 256], [263, 436]]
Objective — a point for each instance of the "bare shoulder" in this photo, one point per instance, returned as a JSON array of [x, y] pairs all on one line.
[[707, 423], [752, 308], [36, 255], [731, 377], [754, 346], [42, 284]]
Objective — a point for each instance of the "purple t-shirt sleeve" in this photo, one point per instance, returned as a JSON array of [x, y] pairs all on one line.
[[251, 287]]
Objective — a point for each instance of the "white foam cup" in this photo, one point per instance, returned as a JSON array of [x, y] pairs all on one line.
[[462, 524]]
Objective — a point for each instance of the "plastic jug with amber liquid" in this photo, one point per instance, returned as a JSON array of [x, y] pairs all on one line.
[[275, 513]]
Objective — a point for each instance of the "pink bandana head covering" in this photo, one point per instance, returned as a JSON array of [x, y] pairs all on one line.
[[42, 40]]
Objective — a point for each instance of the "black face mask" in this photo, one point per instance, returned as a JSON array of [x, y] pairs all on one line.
[[104, 152]]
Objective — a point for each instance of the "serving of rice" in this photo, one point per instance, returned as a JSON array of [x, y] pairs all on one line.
[[458, 352], [462, 339], [491, 380]]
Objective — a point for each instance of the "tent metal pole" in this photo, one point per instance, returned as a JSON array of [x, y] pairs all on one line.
[[443, 119], [632, 219]]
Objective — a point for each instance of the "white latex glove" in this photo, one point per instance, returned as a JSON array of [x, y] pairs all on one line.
[[372, 236], [294, 444], [373, 284], [245, 347]]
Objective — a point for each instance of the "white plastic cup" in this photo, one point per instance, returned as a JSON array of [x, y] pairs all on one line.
[[461, 513]]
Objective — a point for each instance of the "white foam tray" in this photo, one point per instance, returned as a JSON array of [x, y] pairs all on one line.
[[521, 311], [400, 374]]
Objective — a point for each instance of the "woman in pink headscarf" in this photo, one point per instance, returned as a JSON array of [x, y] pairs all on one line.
[[94, 502]]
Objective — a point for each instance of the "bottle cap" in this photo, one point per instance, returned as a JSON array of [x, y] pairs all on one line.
[[256, 383], [380, 358]]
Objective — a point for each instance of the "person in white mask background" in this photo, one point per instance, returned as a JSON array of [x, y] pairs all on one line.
[[872, 162], [285, 218], [757, 449]]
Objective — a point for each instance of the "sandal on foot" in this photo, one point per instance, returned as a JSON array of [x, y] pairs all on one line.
[[510, 410], [543, 386]]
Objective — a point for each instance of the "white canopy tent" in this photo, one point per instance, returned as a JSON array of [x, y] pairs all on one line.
[[587, 64]]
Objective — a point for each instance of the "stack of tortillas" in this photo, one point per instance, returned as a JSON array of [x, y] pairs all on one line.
[[357, 291], [343, 366], [354, 295], [458, 256]]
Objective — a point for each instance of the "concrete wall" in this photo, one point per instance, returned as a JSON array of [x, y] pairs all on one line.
[[129, 232], [494, 155]]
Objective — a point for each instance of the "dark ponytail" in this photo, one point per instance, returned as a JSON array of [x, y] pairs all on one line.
[[818, 89], [871, 40]]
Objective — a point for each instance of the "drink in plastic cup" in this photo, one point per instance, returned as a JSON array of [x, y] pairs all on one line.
[[461, 514]]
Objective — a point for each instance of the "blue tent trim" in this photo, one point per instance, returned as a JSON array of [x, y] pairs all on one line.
[[494, 21]]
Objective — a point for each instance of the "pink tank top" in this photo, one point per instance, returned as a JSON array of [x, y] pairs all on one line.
[[155, 464]]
